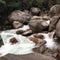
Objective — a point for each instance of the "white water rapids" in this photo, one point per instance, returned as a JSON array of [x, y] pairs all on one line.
[[24, 45]]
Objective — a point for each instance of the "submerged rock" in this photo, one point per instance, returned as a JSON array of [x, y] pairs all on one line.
[[39, 36], [19, 31], [13, 40]]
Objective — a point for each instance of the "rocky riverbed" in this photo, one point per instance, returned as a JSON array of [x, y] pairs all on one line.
[[29, 34]]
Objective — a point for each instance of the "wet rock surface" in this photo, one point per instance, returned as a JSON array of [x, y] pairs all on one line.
[[34, 56], [53, 22], [39, 36], [19, 17], [19, 32], [27, 33], [46, 51], [13, 41]]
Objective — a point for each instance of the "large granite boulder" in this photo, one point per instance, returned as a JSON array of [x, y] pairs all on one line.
[[58, 30], [54, 10], [53, 23], [37, 24], [34, 56], [17, 18], [18, 15]]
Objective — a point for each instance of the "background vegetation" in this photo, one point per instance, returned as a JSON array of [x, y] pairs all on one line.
[[6, 6]]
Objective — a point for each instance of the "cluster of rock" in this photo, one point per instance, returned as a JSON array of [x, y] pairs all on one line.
[[37, 23]]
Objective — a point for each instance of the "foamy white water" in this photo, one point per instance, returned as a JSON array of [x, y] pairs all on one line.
[[48, 22], [50, 43], [24, 46], [24, 28]]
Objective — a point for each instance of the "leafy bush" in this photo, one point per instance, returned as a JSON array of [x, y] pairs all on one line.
[[58, 9]]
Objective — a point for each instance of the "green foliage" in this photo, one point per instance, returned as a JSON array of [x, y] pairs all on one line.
[[52, 2], [6, 6], [40, 1], [58, 1], [3, 2], [58, 9], [26, 4]]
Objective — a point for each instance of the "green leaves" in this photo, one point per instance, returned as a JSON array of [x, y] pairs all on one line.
[[58, 8], [13, 4], [40, 1], [3, 2]]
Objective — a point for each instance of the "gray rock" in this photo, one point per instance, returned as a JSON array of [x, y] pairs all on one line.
[[26, 11], [35, 11], [53, 23], [19, 16], [17, 24], [38, 25], [54, 10], [34, 56], [58, 30], [46, 18]]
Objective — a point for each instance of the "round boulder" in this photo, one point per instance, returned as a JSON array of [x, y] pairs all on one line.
[[18, 15], [35, 11], [38, 25]]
